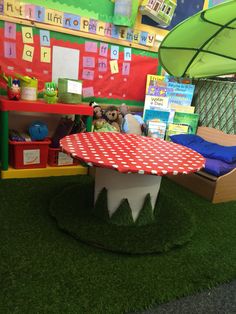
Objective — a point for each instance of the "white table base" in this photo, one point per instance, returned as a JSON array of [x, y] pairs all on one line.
[[132, 186]]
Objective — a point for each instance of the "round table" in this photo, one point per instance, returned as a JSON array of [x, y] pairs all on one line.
[[139, 163]]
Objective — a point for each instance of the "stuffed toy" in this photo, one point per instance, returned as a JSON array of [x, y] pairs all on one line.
[[112, 116], [97, 111], [100, 124], [131, 124]]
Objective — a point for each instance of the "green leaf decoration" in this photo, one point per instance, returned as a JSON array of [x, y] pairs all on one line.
[[100, 207], [123, 215], [145, 216]]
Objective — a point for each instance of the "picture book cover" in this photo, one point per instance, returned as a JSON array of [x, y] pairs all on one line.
[[156, 129], [190, 119], [154, 80], [175, 129], [157, 115], [180, 94], [156, 103], [179, 108]]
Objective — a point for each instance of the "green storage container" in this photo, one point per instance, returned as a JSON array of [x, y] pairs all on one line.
[[69, 91]]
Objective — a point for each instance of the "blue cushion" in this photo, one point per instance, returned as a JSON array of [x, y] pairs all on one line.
[[218, 167], [205, 148]]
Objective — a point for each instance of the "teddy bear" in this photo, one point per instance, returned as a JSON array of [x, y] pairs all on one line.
[[112, 116]]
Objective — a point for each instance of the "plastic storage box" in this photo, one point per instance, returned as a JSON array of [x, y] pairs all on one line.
[[56, 158], [25, 155]]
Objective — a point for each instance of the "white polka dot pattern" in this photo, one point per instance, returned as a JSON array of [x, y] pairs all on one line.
[[129, 153]]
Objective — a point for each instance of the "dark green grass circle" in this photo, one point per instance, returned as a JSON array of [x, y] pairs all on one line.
[[72, 209]]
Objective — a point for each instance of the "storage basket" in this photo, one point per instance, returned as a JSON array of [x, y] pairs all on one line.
[[56, 158], [25, 155]]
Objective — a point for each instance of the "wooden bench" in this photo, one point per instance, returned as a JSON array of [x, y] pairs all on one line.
[[216, 189]]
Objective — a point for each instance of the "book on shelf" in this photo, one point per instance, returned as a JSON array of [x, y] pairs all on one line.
[[176, 129], [157, 115], [189, 119], [156, 129], [156, 103], [154, 81], [179, 108], [180, 94]]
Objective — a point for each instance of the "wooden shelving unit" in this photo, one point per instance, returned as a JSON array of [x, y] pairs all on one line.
[[7, 105]]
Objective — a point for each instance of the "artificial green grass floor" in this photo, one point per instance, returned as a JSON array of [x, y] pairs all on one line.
[[169, 225], [44, 270]]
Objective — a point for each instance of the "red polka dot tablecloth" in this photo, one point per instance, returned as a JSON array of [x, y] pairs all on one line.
[[130, 153]]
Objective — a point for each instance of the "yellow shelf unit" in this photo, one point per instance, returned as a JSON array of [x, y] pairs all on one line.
[[12, 173]]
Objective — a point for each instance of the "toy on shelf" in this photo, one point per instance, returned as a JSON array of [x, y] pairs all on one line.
[[38, 131], [131, 124], [50, 93], [29, 87], [99, 122], [13, 87]]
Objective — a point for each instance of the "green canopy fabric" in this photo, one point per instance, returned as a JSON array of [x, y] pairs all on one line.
[[203, 45]]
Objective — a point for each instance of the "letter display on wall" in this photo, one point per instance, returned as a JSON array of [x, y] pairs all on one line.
[[110, 73]]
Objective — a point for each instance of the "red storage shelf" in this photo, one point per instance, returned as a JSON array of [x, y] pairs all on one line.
[[41, 106], [56, 158], [26, 155]]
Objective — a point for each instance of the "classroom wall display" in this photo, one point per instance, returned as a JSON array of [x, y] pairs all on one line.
[[48, 15], [110, 73]]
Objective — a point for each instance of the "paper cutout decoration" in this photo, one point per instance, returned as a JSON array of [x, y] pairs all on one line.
[[54, 17], [88, 92], [39, 14], [9, 50], [115, 52], [45, 54], [143, 38], [103, 50], [84, 24], [10, 30], [130, 34], [88, 75], [127, 54], [29, 12], [93, 26], [28, 53], [115, 31], [125, 68], [108, 30], [44, 37], [27, 35], [122, 33], [71, 21], [101, 28], [65, 63], [1, 7], [114, 66], [91, 46], [88, 62], [102, 65]]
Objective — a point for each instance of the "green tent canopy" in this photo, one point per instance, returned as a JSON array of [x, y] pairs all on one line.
[[203, 45]]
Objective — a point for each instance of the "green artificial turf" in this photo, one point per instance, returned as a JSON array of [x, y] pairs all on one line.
[[44, 270], [171, 224]]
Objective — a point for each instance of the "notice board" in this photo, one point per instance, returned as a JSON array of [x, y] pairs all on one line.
[[111, 73]]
